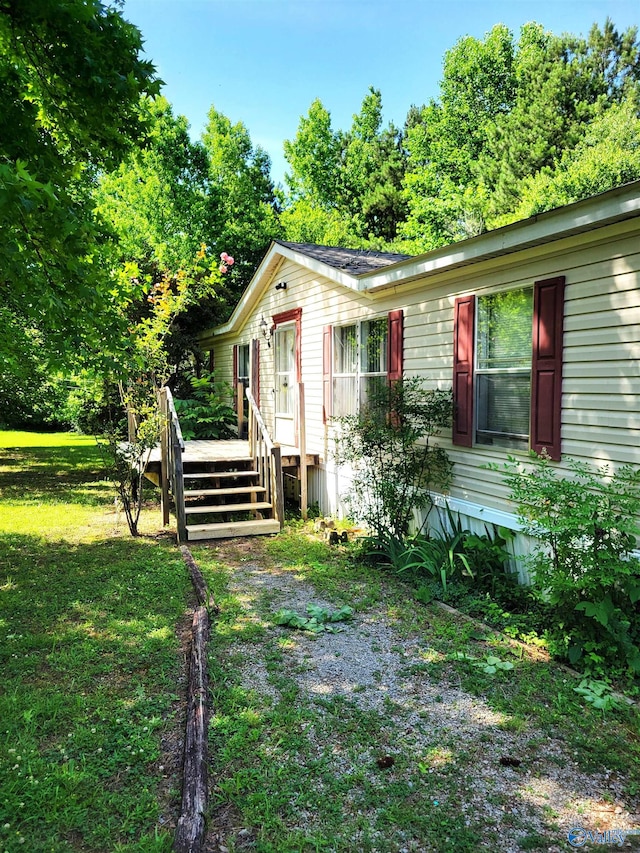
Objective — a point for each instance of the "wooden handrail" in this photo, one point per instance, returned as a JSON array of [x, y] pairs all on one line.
[[173, 415], [171, 447], [267, 458], [257, 416]]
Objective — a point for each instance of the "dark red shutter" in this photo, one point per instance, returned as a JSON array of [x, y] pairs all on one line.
[[463, 343], [546, 372], [235, 377], [327, 395], [395, 345], [255, 371]]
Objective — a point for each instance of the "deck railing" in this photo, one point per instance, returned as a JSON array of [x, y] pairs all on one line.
[[267, 459], [302, 445], [171, 447]]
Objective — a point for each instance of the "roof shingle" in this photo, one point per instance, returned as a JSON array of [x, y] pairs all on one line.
[[354, 261]]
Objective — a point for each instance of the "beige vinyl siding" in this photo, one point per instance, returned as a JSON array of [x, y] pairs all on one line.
[[223, 364], [601, 377], [601, 384]]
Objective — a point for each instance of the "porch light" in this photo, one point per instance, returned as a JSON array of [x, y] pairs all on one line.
[[267, 331], [281, 285]]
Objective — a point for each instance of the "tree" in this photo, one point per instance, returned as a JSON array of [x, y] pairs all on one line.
[[160, 201], [446, 137], [314, 157], [70, 84], [247, 205], [373, 166], [563, 85], [607, 156], [345, 183], [507, 113]]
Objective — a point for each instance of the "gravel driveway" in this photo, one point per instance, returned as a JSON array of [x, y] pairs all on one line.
[[522, 782]]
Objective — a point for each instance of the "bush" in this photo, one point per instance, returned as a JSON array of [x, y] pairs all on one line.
[[206, 415], [388, 445], [585, 526]]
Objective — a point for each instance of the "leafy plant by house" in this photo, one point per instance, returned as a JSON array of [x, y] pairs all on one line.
[[585, 528], [206, 414], [389, 447]]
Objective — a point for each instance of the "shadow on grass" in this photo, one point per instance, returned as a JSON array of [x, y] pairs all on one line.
[[90, 662], [74, 474]]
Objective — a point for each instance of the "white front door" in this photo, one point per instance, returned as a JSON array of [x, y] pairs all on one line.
[[285, 383]]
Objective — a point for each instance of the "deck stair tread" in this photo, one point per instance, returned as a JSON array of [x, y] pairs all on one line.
[[245, 507], [210, 475], [249, 488], [229, 460], [254, 527]]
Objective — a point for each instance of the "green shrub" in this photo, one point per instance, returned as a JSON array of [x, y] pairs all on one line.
[[585, 526], [206, 415], [395, 463]]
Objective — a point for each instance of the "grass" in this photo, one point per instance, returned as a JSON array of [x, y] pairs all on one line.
[[89, 656], [91, 681], [297, 772]]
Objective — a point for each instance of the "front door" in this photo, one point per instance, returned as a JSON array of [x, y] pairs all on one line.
[[285, 383]]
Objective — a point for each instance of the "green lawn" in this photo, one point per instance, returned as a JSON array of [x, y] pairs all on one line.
[[92, 692], [89, 656]]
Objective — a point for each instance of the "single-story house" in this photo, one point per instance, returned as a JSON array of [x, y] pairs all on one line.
[[535, 326]]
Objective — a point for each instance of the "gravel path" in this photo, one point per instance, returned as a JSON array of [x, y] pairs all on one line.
[[371, 665]]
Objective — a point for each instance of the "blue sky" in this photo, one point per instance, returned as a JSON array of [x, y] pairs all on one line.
[[263, 62]]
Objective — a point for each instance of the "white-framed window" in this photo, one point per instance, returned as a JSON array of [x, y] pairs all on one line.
[[507, 367], [243, 364], [360, 360], [504, 323]]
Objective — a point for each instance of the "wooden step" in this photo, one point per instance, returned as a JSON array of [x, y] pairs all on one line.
[[221, 474], [236, 490], [226, 530], [247, 507]]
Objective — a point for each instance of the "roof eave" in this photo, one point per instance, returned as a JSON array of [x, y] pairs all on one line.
[[276, 253], [596, 212]]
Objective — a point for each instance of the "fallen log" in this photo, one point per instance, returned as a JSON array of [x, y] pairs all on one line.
[[198, 581], [191, 825]]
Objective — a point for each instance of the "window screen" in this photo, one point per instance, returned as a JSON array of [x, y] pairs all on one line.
[[503, 368]]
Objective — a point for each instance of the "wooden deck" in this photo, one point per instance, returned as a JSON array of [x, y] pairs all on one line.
[[227, 449]]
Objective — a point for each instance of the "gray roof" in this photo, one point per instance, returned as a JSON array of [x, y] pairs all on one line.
[[354, 261]]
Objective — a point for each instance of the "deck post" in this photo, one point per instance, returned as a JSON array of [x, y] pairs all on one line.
[[240, 403], [253, 427], [164, 456], [178, 486], [277, 488], [302, 431]]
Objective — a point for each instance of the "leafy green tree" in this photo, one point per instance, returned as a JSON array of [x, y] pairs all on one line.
[[345, 184], [159, 201], [511, 116], [373, 166], [563, 85], [70, 83], [245, 195], [446, 138], [306, 222], [607, 156], [314, 157]]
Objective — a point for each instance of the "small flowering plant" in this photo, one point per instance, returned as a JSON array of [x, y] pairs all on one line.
[[226, 261]]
